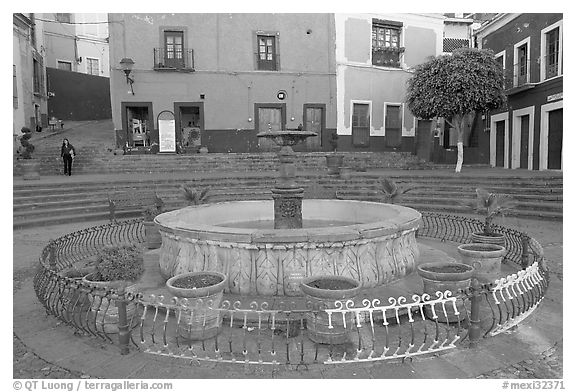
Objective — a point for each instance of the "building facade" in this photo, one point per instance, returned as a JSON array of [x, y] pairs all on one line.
[[77, 42], [374, 54], [528, 132], [29, 74], [222, 78]]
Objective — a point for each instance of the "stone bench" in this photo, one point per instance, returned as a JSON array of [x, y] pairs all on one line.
[[129, 203]]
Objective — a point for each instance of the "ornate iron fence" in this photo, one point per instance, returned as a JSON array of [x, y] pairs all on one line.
[[255, 333]]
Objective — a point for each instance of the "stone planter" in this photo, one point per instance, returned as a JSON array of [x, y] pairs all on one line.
[[323, 291], [30, 169], [334, 162], [442, 276], [202, 320], [105, 310], [492, 238], [152, 235], [486, 258]]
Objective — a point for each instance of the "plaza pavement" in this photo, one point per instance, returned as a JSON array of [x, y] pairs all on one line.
[[45, 348]]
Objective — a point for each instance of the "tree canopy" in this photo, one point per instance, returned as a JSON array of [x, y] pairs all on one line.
[[467, 81]]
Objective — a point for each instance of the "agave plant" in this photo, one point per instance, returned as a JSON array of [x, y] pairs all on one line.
[[490, 205], [392, 191], [195, 196]]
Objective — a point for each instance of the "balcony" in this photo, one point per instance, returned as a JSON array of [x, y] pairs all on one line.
[[451, 44], [387, 57], [521, 77], [179, 61]]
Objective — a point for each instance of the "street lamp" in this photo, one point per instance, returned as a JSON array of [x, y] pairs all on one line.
[[127, 64]]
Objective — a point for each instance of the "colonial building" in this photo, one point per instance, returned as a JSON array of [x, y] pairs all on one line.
[[528, 132], [29, 87], [374, 54], [77, 66], [216, 80], [77, 42]]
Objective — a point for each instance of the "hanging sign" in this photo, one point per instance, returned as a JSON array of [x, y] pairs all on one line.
[[166, 132]]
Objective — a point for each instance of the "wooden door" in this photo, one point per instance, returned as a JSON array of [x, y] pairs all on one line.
[[555, 125], [174, 49], [424, 139], [313, 123], [524, 129], [269, 119], [500, 143], [361, 124], [394, 126]]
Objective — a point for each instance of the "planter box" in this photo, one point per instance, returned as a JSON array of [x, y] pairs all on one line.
[[317, 325], [444, 276], [202, 319], [485, 258]]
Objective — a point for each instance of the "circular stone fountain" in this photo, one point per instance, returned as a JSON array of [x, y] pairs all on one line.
[[266, 247]]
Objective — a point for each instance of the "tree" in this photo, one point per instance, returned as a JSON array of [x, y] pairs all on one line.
[[454, 87]]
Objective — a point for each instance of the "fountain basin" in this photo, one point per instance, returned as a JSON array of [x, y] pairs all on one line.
[[374, 243]]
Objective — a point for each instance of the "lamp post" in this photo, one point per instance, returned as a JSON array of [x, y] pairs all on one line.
[[127, 64]]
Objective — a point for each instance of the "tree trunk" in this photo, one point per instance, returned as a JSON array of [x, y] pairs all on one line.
[[460, 144]]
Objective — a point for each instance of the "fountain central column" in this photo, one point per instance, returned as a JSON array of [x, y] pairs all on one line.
[[287, 194]]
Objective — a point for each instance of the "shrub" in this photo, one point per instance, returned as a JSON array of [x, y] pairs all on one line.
[[195, 196], [28, 148], [120, 262]]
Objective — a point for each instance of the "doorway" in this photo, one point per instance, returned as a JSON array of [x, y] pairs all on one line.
[[269, 117], [500, 143], [138, 123], [314, 121], [424, 139], [190, 124], [555, 125], [524, 138], [361, 124]]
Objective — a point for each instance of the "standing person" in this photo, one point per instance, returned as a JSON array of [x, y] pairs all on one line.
[[67, 154]]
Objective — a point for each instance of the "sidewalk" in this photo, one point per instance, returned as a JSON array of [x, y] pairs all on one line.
[[46, 348]]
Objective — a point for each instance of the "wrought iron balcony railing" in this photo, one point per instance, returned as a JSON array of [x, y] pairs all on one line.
[[173, 60], [451, 44]]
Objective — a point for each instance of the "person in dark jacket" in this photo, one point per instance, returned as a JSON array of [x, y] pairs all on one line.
[[67, 154]]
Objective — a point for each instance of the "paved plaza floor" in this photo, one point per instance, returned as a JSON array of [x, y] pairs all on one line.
[[45, 348]]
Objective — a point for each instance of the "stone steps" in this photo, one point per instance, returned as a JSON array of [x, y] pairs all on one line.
[[36, 204]]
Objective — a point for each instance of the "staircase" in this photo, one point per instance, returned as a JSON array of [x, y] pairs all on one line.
[[47, 204]]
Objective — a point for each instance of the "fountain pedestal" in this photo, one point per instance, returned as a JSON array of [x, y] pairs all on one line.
[[287, 194]]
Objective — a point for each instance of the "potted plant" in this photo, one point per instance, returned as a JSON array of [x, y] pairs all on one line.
[[204, 289], [487, 258], [152, 233], [490, 205], [28, 164], [334, 161], [195, 196], [442, 276], [323, 291], [116, 266], [392, 191]]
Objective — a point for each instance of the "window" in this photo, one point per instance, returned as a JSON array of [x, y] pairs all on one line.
[[174, 49], [38, 85], [393, 125], [266, 55], [92, 66], [64, 18], [522, 65], [386, 47], [552, 52], [65, 65]]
